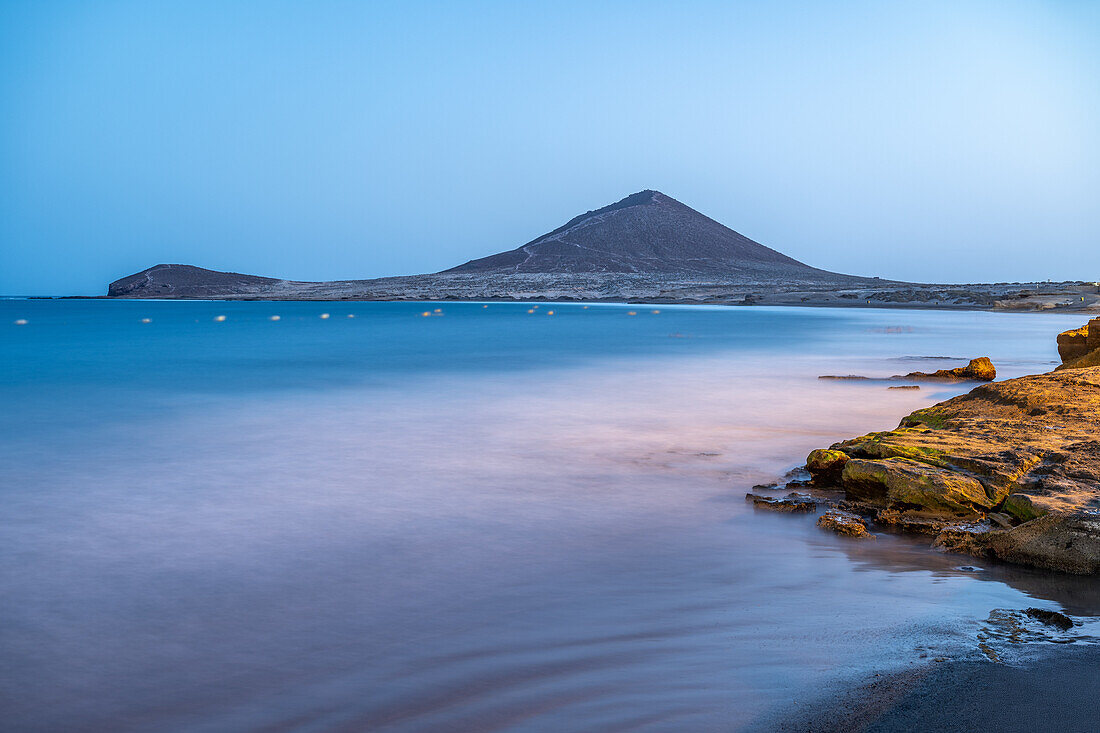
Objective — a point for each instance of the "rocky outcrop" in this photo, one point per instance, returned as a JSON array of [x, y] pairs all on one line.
[[1080, 347], [978, 370], [791, 503], [844, 523], [1010, 470]]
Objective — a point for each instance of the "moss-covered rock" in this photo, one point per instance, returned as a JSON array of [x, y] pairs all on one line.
[[825, 466], [905, 482], [1022, 507]]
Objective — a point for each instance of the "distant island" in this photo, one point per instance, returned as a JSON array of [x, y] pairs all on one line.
[[647, 247]]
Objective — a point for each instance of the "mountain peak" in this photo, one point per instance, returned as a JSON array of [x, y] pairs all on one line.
[[647, 231]]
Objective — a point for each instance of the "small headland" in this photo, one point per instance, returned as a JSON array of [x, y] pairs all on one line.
[[1008, 471]]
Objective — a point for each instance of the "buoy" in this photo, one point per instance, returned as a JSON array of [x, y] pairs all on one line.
[[426, 314], [438, 310], [219, 319], [549, 313], [276, 318], [485, 306], [655, 312], [324, 315], [21, 321], [632, 313], [351, 315], [146, 320]]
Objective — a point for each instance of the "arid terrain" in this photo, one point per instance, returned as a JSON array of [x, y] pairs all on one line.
[[647, 247]]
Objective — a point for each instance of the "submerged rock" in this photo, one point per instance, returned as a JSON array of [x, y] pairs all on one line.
[[844, 523], [1053, 618], [979, 370], [791, 503]]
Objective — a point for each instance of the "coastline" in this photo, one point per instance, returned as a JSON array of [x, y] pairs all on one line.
[[1071, 309], [1055, 691]]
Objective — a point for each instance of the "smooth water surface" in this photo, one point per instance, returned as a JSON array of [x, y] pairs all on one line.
[[488, 518]]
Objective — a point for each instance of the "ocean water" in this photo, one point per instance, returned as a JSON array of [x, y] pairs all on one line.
[[492, 518]]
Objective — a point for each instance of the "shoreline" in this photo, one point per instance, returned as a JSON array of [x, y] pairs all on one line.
[[1054, 691], [1074, 309]]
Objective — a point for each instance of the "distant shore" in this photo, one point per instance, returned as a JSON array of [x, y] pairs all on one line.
[[1040, 302]]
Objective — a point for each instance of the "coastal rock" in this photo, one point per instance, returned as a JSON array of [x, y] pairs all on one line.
[[978, 370], [1010, 470], [1053, 618], [903, 481], [825, 466], [1080, 347], [1073, 344], [844, 523], [791, 503], [1067, 542]]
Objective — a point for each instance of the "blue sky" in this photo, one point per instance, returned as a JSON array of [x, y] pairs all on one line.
[[936, 141]]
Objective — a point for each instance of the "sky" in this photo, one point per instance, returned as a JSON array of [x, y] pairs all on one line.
[[930, 141]]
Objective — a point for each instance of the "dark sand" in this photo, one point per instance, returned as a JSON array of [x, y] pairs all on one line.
[[1060, 692]]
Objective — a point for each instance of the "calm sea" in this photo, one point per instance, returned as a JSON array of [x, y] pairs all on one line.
[[494, 518]]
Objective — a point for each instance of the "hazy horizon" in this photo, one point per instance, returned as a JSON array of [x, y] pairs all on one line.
[[939, 142]]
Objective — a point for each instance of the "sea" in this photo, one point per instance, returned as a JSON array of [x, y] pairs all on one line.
[[417, 516]]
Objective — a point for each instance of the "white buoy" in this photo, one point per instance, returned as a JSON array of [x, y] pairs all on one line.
[[146, 320], [219, 319], [21, 321], [324, 315], [276, 318], [351, 315]]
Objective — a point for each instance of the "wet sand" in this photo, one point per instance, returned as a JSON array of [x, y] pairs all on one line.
[[1059, 692]]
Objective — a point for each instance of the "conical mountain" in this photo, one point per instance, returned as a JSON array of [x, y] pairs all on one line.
[[646, 232]]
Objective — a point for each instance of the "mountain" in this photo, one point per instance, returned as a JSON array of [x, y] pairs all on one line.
[[648, 246], [646, 232], [168, 281]]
